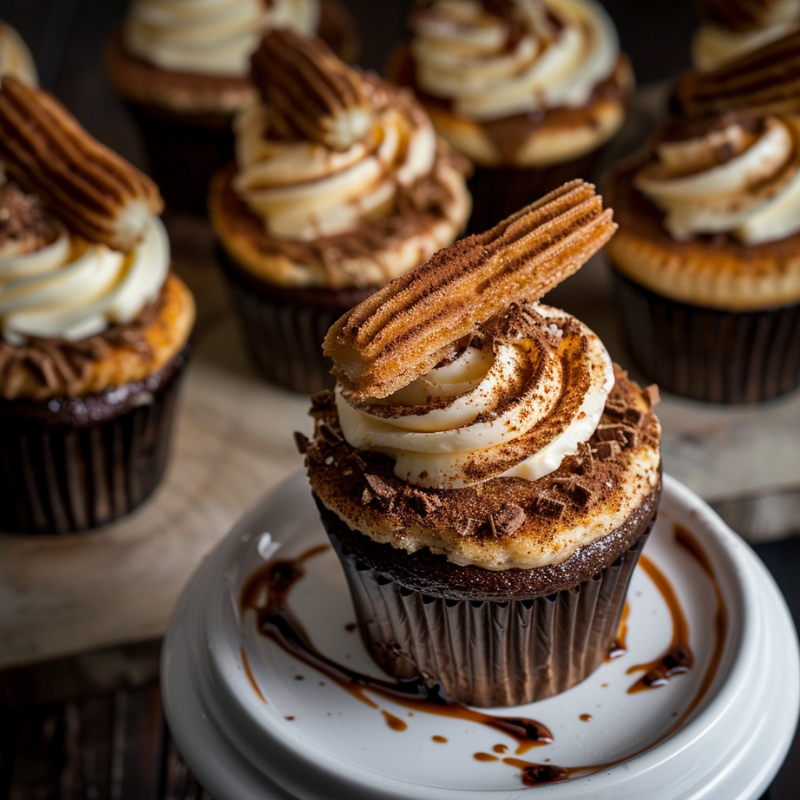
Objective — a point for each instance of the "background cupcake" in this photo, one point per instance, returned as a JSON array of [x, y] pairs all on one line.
[[183, 66], [527, 90], [708, 250], [733, 28], [485, 474], [94, 327], [340, 184], [15, 58]]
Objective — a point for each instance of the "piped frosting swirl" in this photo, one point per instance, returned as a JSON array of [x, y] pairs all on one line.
[[210, 37], [15, 58], [493, 60]]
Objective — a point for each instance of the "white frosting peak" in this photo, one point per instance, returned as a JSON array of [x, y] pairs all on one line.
[[466, 55]]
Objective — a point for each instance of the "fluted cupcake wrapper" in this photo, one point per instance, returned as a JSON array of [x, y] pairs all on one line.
[[184, 153], [710, 354], [284, 330], [499, 192], [62, 475], [489, 652]]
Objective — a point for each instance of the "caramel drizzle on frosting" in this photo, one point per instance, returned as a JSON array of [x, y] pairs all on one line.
[[312, 93], [95, 192], [738, 15], [766, 81], [404, 329]]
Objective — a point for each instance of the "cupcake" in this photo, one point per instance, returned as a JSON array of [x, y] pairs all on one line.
[[93, 326], [15, 58], [182, 67], [528, 90], [340, 184], [708, 251], [485, 473], [733, 28]]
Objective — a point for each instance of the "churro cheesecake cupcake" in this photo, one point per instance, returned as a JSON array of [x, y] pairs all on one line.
[[340, 184], [733, 28], [708, 250], [183, 68], [487, 476], [529, 90], [15, 57], [93, 326]]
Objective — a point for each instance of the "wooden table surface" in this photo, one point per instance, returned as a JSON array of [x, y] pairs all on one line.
[[90, 725]]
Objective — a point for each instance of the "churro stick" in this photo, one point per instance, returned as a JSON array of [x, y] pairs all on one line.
[[403, 330], [95, 192]]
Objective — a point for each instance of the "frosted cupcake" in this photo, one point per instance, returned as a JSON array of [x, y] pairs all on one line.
[[486, 475], [93, 327], [340, 184], [183, 67], [528, 90], [15, 58], [733, 28], [708, 250]]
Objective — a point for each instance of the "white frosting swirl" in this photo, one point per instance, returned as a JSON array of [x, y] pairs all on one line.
[[465, 54], [477, 410], [303, 190], [72, 289], [210, 37], [15, 58], [730, 180]]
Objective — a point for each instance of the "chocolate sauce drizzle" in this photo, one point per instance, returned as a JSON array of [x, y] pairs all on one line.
[[267, 591]]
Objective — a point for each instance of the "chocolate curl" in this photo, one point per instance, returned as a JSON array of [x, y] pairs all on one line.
[[402, 331], [95, 192], [758, 84], [314, 95]]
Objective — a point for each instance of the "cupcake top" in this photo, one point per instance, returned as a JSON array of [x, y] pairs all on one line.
[[210, 37], [473, 420], [84, 259], [342, 179], [15, 58], [486, 61], [724, 174], [733, 28]]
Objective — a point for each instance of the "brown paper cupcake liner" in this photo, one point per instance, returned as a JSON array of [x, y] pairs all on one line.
[[491, 651], [499, 192], [73, 464], [184, 152], [710, 354], [284, 328]]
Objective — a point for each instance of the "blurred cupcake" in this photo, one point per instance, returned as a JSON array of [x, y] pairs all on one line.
[[15, 58], [708, 249], [486, 475], [340, 184], [529, 90], [94, 327], [733, 28], [183, 65]]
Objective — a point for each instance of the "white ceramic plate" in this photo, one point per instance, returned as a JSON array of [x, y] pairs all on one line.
[[286, 730]]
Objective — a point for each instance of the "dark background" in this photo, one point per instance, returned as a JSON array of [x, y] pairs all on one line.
[[66, 749]]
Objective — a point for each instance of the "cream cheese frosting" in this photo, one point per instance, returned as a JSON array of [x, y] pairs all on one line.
[[214, 37], [72, 289], [15, 58], [731, 179], [489, 67], [472, 418]]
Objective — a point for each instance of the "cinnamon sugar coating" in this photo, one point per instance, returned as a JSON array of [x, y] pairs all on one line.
[[502, 522], [406, 328], [95, 192], [45, 368], [765, 81]]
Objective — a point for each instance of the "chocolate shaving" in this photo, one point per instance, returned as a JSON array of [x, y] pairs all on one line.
[[548, 507], [651, 395], [23, 221], [607, 450], [301, 441], [508, 520]]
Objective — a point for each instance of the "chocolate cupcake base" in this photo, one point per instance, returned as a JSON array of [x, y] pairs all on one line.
[[284, 328], [73, 464], [491, 638], [710, 354]]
